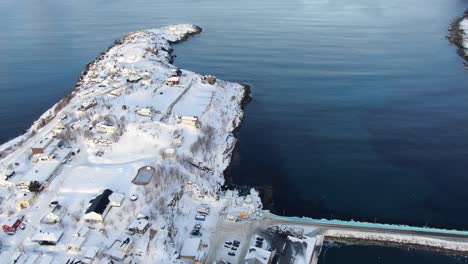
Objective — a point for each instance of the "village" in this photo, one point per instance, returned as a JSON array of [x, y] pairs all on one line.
[[129, 168]]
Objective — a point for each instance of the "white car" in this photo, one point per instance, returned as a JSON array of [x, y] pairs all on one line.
[[134, 197]]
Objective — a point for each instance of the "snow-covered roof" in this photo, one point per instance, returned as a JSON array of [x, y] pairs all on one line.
[[48, 235], [43, 143], [116, 198], [41, 171], [257, 255], [173, 79], [139, 224], [190, 247]]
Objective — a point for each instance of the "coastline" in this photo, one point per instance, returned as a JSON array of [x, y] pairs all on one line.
[[458, 36]]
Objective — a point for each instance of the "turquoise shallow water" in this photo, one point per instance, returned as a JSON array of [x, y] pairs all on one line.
[[359, 107]]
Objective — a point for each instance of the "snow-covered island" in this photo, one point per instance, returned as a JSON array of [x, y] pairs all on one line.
[[458, 35], [122, 168]]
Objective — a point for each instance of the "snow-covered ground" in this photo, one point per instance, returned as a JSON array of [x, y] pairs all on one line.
[[123, 115], [458, 35], [464, 28]]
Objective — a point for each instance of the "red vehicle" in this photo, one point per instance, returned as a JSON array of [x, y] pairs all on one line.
[[12, 224]]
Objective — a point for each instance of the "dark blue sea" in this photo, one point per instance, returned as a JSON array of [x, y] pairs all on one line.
[[359, 110]]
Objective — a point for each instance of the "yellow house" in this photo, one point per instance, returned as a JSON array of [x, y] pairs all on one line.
[[26, 200]]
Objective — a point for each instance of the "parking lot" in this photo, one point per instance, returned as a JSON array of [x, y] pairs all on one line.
[[242, 231]]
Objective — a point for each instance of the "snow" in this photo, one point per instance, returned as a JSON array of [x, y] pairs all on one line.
[[464, 27]]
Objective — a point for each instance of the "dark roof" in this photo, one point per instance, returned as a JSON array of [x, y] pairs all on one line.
[[100, 202]]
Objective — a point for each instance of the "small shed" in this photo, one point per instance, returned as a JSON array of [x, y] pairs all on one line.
[[190, 248]]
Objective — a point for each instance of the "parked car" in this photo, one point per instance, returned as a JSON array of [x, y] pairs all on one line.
[[231, 254], [228, 242]]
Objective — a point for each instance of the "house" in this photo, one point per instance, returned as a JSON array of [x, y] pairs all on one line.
[[303, 244], [120, 249], [209, 79], [106, 128], [47, 236], [116, 199], [139, 226], [25, 200], [258, 256], [79, 238], [168, 153], [50, 152], [190, 248], [40, 146], [98, 207], [189, 120], [89, 255], [87, 105], [173, 80], [144, 175], [54, 216]]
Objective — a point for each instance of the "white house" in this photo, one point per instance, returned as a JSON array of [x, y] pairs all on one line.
[[120, 249], [47, 236], [139, 226]]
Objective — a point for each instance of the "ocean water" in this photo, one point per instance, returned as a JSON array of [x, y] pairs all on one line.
[[353, 253], [359, 107]]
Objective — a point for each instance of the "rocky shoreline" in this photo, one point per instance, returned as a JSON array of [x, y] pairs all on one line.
[[458, 37]]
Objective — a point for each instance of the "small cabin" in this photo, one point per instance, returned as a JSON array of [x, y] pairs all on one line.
[[144, 112], [168, 153], [173, 80], [189, 120]]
